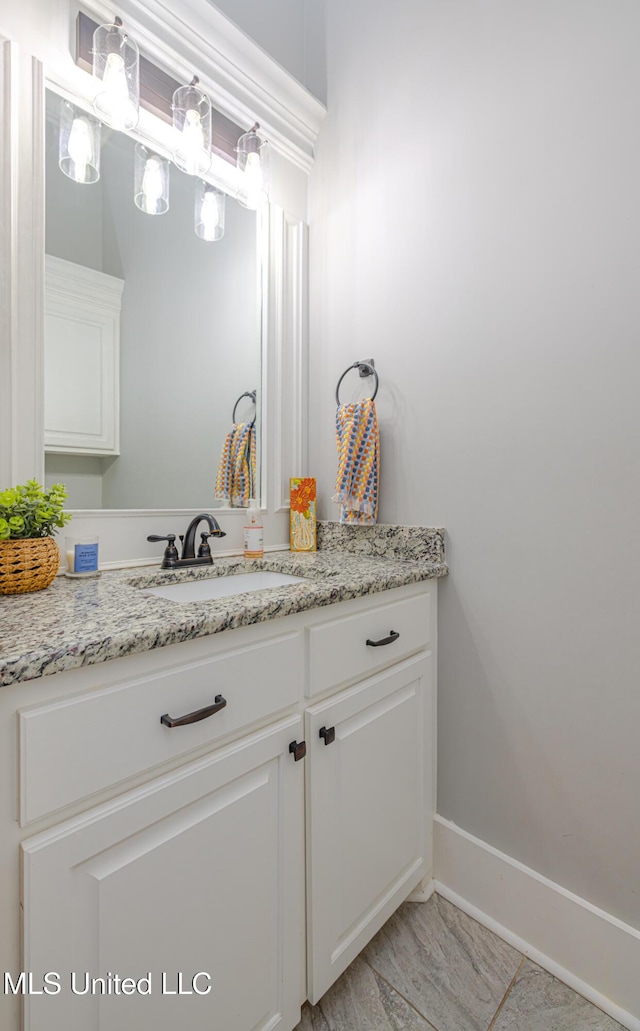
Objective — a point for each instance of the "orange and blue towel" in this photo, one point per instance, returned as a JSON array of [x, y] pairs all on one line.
[[358, 462], [236, 481]]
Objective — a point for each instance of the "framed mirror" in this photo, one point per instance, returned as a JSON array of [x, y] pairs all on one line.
[[182, 359], [247, 86]]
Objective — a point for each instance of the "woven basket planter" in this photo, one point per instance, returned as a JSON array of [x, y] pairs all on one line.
[[28, 565]]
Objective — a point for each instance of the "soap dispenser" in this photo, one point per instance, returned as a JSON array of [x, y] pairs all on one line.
[[253, 533]]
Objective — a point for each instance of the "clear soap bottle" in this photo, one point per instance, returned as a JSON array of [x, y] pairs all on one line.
[[253, 533]]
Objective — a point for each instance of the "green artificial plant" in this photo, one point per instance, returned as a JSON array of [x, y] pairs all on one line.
[[31, 511]]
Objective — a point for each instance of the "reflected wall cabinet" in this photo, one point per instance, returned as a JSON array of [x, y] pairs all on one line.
[[81, 359]]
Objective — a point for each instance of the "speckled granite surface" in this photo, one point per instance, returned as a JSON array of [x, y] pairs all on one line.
[[407, 543], [80, 622]]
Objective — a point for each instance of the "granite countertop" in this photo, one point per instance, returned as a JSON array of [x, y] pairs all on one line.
[[81, 622]]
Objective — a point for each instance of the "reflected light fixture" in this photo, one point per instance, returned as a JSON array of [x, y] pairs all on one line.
[[192, 129], [209, 211], [253, 170], [116, 64], [79, 144], [151, 181]]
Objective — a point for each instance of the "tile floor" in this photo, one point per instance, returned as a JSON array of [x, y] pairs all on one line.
[[433, 967]]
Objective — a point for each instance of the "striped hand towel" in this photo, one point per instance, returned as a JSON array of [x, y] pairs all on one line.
[[358, 462], [236, 480]]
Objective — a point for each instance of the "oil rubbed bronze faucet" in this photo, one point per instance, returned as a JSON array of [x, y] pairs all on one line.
[[170, 559]]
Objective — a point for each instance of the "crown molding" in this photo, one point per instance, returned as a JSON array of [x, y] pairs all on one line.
[[69, 279]]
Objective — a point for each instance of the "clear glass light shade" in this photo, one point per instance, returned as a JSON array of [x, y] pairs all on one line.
[[79, 144], [253, 171], [151, 181], [116, 65], [192, 130], [209, 212]]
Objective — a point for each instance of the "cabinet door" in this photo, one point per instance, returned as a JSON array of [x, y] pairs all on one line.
[[370, 806], [199, 872]]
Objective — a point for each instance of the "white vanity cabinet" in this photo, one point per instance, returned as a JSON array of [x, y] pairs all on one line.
[[186, 850], [193, 881], [370, 773], [369, 820], [196, 871]]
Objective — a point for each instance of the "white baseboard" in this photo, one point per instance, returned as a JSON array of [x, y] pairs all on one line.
[[423, 891], [588, 949]]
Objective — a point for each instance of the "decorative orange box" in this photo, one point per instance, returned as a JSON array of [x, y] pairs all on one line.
[[302, 514]]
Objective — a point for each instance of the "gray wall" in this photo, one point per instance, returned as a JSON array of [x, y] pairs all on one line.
[[81, 475], [73, 229], [190, 338], [475, 227], [291, 31]]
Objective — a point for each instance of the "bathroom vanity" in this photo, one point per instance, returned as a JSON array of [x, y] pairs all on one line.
[[259, 847]]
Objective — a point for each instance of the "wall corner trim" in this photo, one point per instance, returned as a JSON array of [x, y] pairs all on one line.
[[587, 948]]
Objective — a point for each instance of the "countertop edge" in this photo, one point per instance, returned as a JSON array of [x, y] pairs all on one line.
[[348, 576]]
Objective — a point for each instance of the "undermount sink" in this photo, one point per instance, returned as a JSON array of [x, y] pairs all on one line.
[[223, 586]]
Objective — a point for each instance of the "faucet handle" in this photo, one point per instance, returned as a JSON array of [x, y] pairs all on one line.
[[170, 556], [204, 550]]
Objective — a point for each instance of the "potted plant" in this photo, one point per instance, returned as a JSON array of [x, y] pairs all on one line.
[[29, 556]]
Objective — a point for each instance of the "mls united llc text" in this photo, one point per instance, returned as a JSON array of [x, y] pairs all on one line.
[[53, 983]]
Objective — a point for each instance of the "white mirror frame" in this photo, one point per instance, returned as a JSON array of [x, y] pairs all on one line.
[[245, 85]]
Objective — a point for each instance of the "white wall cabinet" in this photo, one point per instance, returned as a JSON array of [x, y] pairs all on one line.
[[192, 856], [81, 359]]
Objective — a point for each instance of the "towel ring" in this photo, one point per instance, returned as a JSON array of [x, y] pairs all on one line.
[[247, 393], [366, 369]]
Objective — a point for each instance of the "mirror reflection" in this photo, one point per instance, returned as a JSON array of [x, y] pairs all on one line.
[[187, 309]]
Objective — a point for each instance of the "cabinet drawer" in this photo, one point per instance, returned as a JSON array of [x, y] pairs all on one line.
[[80, 745], [338, 651]]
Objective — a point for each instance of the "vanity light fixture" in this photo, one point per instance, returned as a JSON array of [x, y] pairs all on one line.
[[157, 90], [192, 129], [79, 144], [209, 211], [253, 170], [151, 181], [116, 64]]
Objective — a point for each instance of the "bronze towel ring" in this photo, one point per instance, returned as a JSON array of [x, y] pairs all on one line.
[[365, 369], [248, 393]]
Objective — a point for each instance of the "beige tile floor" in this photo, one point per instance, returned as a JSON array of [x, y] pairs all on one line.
[[433, 967]]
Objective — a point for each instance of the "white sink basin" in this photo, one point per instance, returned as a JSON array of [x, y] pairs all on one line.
[[223, 586]]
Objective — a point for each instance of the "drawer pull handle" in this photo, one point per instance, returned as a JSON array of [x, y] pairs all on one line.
[[328, 734], [393, 636], [298, 749], [195, 717]]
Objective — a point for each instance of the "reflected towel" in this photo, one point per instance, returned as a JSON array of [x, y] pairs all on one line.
[[358, 462], [236, 479]]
